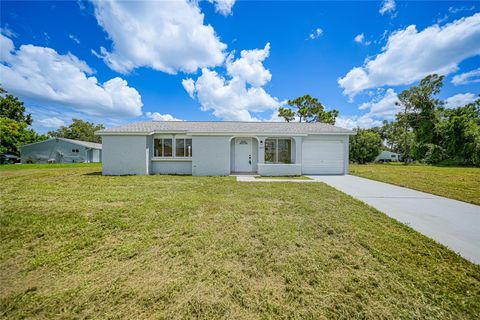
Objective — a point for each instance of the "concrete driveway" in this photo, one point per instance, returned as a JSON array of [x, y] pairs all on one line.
[[452, 223]]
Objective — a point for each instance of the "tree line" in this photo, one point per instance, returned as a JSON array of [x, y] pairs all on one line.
[[16, 130]]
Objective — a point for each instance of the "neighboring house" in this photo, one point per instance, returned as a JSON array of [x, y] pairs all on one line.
[[61, 150], [387, 156], [223, 148]]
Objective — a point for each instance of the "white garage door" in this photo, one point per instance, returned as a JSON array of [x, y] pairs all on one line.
[[322, 157]]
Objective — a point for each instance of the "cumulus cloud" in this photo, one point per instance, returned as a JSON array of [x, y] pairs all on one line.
[[360, 38], [168, 36], [42, 74], [381, 107], [315, 34], [235, 98], [459, 100], [156, 116], [223, 6], [410, 55], [388, 7], [467, 77]]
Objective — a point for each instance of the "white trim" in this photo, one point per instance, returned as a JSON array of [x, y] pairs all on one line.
[[171, 159], [243, 134]]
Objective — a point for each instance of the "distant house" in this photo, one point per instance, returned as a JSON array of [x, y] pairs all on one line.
[[222, 148], [388, 156], [61, 150]]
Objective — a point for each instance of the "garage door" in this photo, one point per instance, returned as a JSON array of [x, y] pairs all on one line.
[[322, 157]]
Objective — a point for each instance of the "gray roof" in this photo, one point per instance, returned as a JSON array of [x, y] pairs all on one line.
[[149, 127], [85, 144]]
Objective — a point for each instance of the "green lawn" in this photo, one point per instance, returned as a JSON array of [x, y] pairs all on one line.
[[75, 244], [459, 183]]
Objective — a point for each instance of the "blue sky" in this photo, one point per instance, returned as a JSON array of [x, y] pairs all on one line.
[[165, 60]]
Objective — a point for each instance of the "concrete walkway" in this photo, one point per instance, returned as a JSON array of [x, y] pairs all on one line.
[[453, 223]]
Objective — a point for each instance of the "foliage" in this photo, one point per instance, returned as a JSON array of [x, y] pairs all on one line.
[[308, 109], [12, 108], [14, 134], [365, 146], [79, 130]]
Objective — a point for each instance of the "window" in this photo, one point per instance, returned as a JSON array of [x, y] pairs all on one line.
[[278, 150], [183, 147], [162, 147]]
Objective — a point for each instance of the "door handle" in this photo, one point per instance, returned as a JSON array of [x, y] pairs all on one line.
[[249, 159]]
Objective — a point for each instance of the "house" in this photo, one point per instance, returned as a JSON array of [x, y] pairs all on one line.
[[388, 156], [61, 150], [223, 148]]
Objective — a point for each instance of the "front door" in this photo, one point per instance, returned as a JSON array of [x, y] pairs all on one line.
[[243, 155]]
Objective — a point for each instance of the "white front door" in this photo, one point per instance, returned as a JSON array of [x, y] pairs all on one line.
[[243, 155]]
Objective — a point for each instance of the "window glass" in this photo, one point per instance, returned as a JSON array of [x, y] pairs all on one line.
[[284, 150], [270, 151], [188, 147], [167, 147], [157, 147], [180, 148]]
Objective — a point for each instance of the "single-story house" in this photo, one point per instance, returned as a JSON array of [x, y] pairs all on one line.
[[388, 156], [224, 148], [61, 150]]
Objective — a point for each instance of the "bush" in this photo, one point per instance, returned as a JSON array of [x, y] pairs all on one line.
[[365, 146]]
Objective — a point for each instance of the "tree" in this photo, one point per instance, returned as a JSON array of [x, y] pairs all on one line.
[[14, 134], [308, 109], [12, 108], [79, 130], [460, 130], [365, 146], [421, 113]]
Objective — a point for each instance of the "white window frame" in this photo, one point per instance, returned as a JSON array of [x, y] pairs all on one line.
[[184, 147], [276, 150], [174, 148]]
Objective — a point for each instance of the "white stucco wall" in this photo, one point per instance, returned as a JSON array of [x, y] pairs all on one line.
[[171, 167], [122, 155], [274, 169], [211, 155]]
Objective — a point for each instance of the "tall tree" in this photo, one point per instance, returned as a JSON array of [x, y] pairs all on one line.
[[308, 109], [12, 108], [79, 130], [14, 134], [421, 113], [365, 146]]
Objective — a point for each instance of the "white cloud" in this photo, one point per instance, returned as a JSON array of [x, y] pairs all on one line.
[[8, 32], [74, 38], [410, 55], [237, 97], [459, 100], [364, 121], [388, 6], [50, 122], [360, 38], [380, 108], [315, 34], [168, 36], [223, 6], [41, 74], [384, 107], [156, 116], [189, 86], [467, 77]]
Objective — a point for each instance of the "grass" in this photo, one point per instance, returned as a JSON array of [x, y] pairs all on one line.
[[284, 177], [75, 244], [461, 183]]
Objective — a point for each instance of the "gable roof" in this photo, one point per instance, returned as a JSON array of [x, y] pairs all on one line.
[[86, 144], [210, 127]]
